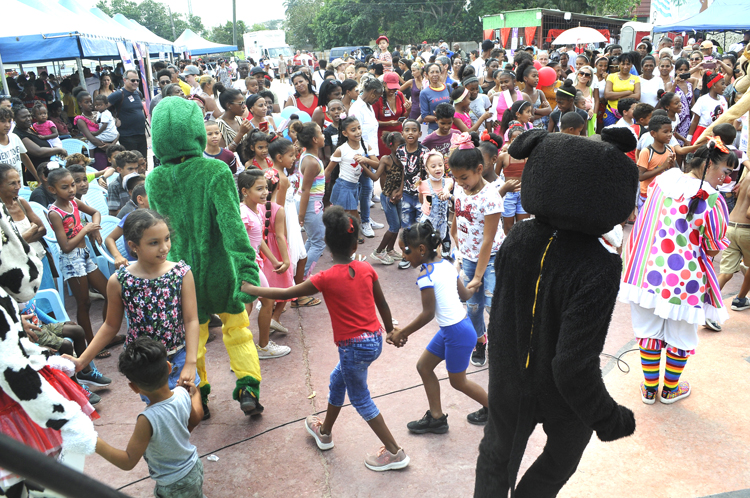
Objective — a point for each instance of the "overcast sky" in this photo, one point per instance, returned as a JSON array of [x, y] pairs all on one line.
[[216, 12]]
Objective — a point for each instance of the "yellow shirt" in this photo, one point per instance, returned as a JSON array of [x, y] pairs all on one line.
[[71, 106], [619, 85]]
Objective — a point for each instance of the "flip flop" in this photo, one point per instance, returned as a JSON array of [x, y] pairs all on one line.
[[309, 303], [103, 354], [116, 340]]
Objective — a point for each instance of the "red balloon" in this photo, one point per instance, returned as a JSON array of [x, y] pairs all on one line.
[[537, 64], [547, 76]]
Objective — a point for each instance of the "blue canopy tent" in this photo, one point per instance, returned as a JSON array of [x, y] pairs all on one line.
[[200, 46], [721, 15]]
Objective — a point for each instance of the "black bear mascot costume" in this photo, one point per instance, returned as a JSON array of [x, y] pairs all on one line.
[[557, 280]]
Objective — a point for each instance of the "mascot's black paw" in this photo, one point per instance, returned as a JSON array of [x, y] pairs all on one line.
[[619, 425]]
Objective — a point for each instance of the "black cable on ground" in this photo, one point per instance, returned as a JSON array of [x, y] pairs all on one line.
[[297, 421], [619, 359]]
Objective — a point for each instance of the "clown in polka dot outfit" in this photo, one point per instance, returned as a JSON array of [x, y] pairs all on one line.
[[668, 278]]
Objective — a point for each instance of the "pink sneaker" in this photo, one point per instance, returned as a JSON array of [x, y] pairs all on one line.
[[313, 425], [681, 391], [385, 460]]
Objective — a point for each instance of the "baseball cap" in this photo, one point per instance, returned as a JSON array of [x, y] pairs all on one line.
[[126, 182], [191, 70], [337, 62], [391, 81], [707, 44]]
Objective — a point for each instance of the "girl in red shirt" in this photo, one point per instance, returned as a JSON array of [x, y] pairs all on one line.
[[352, 292]]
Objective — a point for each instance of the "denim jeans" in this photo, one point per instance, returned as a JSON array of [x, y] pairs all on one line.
[[410, 209], [482, 298], [316, 231], [392, 213], [178, 361], [350, 374], [365, 195]]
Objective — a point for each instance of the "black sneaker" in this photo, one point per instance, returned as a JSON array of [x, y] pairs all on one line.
[[740, 303], [206, 412], [249, 404], [479, 417], [479, 356], [429, 424], [713, 325]]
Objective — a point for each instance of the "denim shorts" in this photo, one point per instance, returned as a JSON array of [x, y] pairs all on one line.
[[392, 213], [345, 194], [482, 298], [190, 486], [454, 344], [350, 374], [411, 209], [178, 361], [76, 263], [512, 205]]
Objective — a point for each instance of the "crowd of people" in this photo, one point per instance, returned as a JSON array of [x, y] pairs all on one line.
[[433, 126]]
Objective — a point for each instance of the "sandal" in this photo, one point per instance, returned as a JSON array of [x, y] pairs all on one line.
[[306, 302], [116, 340], [104, 353]]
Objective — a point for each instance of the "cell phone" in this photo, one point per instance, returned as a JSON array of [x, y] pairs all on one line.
[[708, 62], [263, 126], [402, 119], [429, 199], [685, 76]]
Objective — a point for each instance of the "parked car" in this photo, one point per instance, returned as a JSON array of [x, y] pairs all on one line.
[[358, 52]]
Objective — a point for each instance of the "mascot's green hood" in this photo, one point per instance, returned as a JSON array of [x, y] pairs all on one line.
[[176, 131]]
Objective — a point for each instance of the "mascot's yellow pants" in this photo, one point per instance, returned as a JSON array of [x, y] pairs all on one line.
[[243, 357]]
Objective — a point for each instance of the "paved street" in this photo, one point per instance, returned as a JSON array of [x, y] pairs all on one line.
[[695, 448]]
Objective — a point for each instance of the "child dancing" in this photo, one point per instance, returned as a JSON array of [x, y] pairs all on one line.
[[668, 276], [162, 431], [442, 292], [352, 292]]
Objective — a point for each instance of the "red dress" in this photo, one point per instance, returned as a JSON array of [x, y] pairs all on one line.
[[309, 110], [383, 112]]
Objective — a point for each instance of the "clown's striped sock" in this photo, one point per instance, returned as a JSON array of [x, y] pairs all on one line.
[[650, 360], [673, 369]]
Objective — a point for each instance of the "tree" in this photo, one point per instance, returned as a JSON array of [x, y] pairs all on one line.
[[223, 34], [301, 29]]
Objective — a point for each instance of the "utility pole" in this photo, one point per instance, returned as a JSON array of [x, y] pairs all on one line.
[[190, 9], [234, 22], [174, 35]]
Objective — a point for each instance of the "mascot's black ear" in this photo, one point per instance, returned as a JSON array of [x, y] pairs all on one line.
[[523, 145], [621, 137]]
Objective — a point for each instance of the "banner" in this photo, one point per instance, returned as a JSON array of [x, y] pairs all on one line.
[[127, 58], [528, 35], [504, 34], [514, 40], [142, 52]]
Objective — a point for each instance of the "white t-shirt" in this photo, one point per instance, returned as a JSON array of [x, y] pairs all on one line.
[[649, 88], [240, 85], [442, 277], [367, 120], [110, 132], [11, 153], [478, 107], [349, 169], [478, 66], [470, 213], [317, 77], [709, 109]]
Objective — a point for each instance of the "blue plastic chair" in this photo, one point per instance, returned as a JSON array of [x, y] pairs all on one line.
[[73, 146], [42, 212], [56, 304], [95, 198], [55, 251], [25, 192], [108, 224], [94, 186]]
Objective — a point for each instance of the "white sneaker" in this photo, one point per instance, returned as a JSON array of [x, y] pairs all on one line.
[[272, 350], [395, 255], [377, 226], [367, 230], [372, 204], [382, 257], [278, 327]]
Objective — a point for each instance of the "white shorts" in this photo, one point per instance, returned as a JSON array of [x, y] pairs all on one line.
[[677, 333]]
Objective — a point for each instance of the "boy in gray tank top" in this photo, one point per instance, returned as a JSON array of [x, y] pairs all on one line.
[[162, 432]]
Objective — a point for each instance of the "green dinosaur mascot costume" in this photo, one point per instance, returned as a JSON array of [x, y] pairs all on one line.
[[200, 199]]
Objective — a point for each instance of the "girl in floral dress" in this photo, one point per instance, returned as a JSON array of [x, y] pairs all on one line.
[[668, 277], [158, 296]]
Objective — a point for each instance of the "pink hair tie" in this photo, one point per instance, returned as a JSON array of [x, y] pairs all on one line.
[[431, 153], [462, 141], [272, 174]]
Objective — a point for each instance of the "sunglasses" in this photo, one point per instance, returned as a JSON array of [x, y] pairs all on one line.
[[694, 60], [240, 103], [136, 80], [582, 73]]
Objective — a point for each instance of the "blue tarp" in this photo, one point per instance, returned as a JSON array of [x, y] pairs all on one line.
[[200, 46], [721, 15]]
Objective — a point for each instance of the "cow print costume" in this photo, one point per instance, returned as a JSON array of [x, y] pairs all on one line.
[[21, 360]]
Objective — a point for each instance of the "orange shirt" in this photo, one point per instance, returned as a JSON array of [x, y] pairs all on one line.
[[650, 159]]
